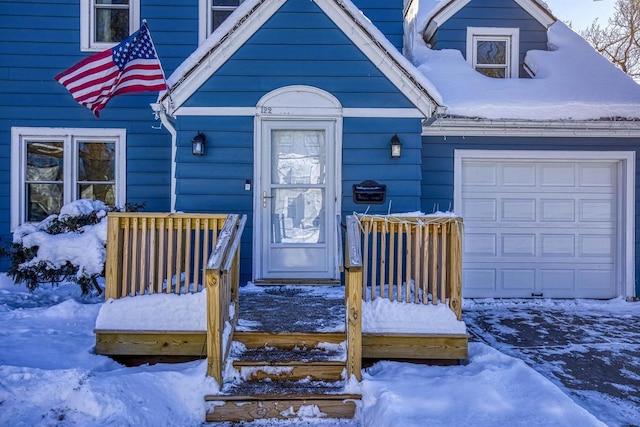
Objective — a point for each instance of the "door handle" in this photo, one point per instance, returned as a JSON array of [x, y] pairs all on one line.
[[264, 199]]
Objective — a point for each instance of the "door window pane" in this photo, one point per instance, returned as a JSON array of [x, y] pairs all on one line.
[[298, 157], [298, 215]]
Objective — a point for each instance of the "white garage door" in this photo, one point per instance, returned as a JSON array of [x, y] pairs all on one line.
[[539, 228]]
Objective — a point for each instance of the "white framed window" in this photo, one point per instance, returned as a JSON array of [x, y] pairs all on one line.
[[105, 23], [494, 52], [54, 166], [212, 14]]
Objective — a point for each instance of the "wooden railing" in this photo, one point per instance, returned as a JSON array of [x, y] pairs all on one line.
[[158, 252], [223, 281], [353, 298], [412, 259]]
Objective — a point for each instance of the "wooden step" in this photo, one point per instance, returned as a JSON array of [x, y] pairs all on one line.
[[290, 370], [238, 408], [288, 340]]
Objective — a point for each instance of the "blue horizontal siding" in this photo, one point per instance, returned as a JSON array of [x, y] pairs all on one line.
[[275, 56], [387, 16], [491, 13], [438, 167]]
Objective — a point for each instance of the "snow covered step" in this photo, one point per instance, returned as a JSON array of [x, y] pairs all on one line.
[[290, 370], [253, 400]]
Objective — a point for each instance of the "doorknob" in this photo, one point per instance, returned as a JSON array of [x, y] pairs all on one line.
[[264, 199]]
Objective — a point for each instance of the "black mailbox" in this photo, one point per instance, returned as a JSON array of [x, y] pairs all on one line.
[[369, 192]]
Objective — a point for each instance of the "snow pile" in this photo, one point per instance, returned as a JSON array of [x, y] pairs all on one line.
[[572, 81], [384, 316], [156, 312], [492, 390], [85, 249]]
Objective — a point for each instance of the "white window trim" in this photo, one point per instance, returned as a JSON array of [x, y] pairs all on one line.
[[87, 25], [68, 136], [205, 22], [511, 35]]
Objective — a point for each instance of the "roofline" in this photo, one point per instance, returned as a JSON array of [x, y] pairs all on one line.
[[446, 11], [387, 59], [449, 126]]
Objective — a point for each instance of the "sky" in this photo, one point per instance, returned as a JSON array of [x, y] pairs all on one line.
[[581, 13]]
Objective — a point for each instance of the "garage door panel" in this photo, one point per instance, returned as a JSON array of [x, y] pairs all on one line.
[[557, 210], [481, 209], [518, 174], [557, 175], [543, 227], [518, 210], [598, 175]]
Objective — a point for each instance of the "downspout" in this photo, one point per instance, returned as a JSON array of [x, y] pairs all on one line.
[[164, 119]]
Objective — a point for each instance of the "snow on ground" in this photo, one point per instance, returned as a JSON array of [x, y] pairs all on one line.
[[50, 376]]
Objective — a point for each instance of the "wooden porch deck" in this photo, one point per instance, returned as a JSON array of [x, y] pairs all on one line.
[[297, 346]]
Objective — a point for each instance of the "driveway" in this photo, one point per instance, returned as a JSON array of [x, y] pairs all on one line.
[[590, 349]]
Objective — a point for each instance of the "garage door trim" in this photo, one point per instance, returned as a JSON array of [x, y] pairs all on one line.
[[625, 264]]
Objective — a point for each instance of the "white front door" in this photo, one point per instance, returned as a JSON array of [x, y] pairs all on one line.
[[296, 201]]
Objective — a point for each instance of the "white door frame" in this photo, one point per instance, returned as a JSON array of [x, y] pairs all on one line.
[[295, 103], [625, 263]]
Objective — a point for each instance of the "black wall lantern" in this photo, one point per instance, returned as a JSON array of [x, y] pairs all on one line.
[[197, 144], [396, 146]]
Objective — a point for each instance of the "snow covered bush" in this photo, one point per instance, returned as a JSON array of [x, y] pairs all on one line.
[[70, 246]]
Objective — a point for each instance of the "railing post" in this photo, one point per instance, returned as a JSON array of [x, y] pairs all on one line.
[[353, 299], [113, 264], [455, 265], [214, 326]]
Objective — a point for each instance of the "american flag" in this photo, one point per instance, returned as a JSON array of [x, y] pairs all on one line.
[[131, 66]]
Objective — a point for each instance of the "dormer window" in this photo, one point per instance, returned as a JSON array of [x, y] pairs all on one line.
[[105, 23], [494, 52], [213, 13]]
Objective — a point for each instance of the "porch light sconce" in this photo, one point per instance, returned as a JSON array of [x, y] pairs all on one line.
[[197, 144], [396, 146]]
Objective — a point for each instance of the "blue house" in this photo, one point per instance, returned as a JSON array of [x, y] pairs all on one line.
[[297, 104]]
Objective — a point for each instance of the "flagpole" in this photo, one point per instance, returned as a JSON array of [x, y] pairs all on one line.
[[144, 22]]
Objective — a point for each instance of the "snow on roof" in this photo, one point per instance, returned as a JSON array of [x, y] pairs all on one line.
[[572, 81]]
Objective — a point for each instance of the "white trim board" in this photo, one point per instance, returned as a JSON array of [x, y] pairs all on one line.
[[249, 19], [626, 195], [481, 127], [408, 113]]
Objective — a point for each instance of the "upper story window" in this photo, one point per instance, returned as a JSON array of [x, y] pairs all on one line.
[[104, 23], [494, 52], [213, 13], [51, 167]]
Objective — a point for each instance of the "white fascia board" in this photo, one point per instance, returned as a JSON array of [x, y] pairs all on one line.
[[453, 7], [402, 113], [582, 129], [218, 55], [390, 61]]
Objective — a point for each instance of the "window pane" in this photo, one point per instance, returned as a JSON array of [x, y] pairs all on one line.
[[297, 215], [96, 161], [104, 192], [219, 16], [112, 1], [112, 25], [226, 3], [298, 157], [43, 200], [491, 52], [500, 73], [44, 161]]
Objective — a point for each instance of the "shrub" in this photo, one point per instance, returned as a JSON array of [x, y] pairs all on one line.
[[70, 246]]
